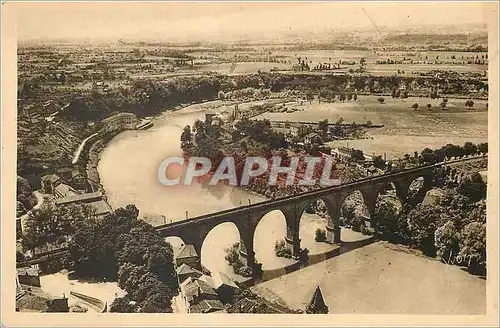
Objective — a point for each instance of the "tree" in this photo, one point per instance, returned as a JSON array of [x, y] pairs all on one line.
[[320, 235], [386, 218], [429, 106], [323, 127], [123, 305], [221, 95], [357, 155], [473, 246], [469, 148], [483, 148], [446, 241], [380, 100], [281, 250], [428, 156], [158, 301], [42, 227], [379, 162], [186, 137], [414, 106], [469, 103], [473, 187], [422, 224]]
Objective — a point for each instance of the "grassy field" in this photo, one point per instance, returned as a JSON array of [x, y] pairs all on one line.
[[405, 130], [378, 278], [422, 61]]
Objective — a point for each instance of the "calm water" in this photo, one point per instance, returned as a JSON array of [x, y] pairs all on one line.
[[128, 172]]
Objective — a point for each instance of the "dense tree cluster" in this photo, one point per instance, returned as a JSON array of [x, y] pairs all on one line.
[[25, 197], [54, 225], [452, 227], [234, 260], [121, 247], [145, 97], [429, 156]]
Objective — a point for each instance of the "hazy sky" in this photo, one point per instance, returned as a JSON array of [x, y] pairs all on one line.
[[211, 20]]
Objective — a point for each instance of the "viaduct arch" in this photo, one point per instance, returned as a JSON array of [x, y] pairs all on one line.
[[246, 218]]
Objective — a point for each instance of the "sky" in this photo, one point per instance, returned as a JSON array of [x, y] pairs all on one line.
[[202, 21]]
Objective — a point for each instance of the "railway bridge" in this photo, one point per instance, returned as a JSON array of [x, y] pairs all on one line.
[[246, 218]]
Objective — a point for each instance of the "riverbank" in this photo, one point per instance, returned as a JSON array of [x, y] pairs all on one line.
[[348, 287]]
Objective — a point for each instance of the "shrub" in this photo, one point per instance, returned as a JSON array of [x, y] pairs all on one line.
[[473, 187], [244, 271], [414, 106], [320, 235], [446, 241], [233, 257], [380, 100], [358, 222], [473, 246], [281, 250]]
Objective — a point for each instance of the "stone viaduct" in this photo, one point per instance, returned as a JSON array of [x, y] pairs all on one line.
[[246, 218]]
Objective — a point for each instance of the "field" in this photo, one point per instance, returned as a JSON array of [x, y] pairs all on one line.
[[360, 281], [251, 61], [405, 130]]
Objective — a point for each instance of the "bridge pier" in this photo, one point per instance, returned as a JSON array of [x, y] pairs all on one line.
[[293, 213], [292, 240], [247, 252], [333, 205]]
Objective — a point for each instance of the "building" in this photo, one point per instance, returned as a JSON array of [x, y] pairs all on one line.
[[317, 304], [73, 176], [226, 287], [187, 255], [207, 306], [94, 199], [119, 122], [49, 182], [185, 271], [29, 276], [313, 137], [195, 291]]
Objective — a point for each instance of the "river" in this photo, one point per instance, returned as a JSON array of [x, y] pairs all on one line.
[[128, 172]]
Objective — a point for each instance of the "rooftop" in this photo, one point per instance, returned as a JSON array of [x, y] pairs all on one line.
[[51, 178], [186, 251], [207, 306], [192, 288], [218, 279], [186, 269], [65, 191], [86, 198]]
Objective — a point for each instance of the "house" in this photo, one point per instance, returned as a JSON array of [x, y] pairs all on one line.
[[65, 173], [78, 179], [63, 190], [185, 271], [207, 306], [317, 304], [49, 182], [94, 199], [187, 255], [29, 276], [225, 286], [194, 291], [312, 137], [118, 122], [73, 176]]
